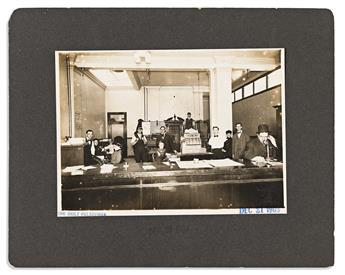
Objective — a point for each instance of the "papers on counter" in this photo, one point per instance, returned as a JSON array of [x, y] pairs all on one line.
[[224, 163], [207, 163], [275, 163], [70, 169], [85, 168], [191, 164], [77, 172], [106, 168], [149, 167]]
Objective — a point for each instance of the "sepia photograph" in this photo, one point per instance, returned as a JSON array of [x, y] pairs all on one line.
[[170, 132]]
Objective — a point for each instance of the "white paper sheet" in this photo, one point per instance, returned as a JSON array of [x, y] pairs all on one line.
[[106, 168], [85, 168], [224, 163], [77, 172], [149, 167], [69, 169], [193, 165], [275, 163]]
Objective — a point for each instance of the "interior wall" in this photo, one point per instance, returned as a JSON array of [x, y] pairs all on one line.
[[126, 100], [257, 109], [164, 102], [89, 106], [64, 110]]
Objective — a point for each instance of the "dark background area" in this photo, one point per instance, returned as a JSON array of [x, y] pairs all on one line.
[[303, 237]]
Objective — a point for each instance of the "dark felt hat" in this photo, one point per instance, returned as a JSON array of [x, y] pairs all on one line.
[[263, 128]]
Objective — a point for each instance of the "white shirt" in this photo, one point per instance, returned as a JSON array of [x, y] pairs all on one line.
[[216, 142]]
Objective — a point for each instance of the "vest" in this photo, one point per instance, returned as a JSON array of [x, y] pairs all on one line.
[[189, 123]]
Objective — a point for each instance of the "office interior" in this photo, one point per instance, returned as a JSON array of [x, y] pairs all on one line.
[[109, 91]]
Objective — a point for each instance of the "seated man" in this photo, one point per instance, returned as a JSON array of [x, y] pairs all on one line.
[[160, 154], [261, 148], [99, 151], [115, 152], [90, 157], [167, 139]]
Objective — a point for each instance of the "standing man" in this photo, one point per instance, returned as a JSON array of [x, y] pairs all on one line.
[[216, 142], [239, 142], [189, 122], [167, 140], [227, 148], [263, 147]]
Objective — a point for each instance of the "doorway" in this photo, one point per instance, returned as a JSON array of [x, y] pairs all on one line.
[[117, 128]]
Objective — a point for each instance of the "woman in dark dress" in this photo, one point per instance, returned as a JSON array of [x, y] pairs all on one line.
[[139, 142]]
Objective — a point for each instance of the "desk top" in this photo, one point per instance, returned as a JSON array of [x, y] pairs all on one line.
[[164, 172]]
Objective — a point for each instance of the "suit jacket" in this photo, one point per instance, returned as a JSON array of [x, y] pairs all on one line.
[[239, 145], [256, 148], [90, 159], [168, 141], [87, 153]]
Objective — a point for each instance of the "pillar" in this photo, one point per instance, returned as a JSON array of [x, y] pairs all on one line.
[[220, 99]]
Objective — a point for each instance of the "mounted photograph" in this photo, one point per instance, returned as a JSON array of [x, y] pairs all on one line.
[[171, 132]]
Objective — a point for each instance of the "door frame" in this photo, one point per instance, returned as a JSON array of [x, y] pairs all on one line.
[[124, 152]]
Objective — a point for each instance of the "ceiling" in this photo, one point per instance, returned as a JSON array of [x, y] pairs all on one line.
[[114, 76], [137, 79], [241, 77], [172, 78]]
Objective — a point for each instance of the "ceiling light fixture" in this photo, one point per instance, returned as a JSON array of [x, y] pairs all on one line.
[[244, 78]]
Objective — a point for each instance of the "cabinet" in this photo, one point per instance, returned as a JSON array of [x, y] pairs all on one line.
[[72, 155], [175, 128]]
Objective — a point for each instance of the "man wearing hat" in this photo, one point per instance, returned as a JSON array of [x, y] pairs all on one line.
[[262, 147]]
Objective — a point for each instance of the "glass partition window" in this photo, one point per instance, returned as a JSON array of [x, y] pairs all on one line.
[[248, 90], [260, 85], [238, 94], [275, 78]]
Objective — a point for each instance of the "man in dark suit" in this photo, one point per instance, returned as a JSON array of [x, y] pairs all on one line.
[[189, 122], [167, 139], [90, 150], [261, 148], [239, 141]]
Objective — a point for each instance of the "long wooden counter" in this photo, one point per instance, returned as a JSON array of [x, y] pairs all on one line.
[[169, 187]]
